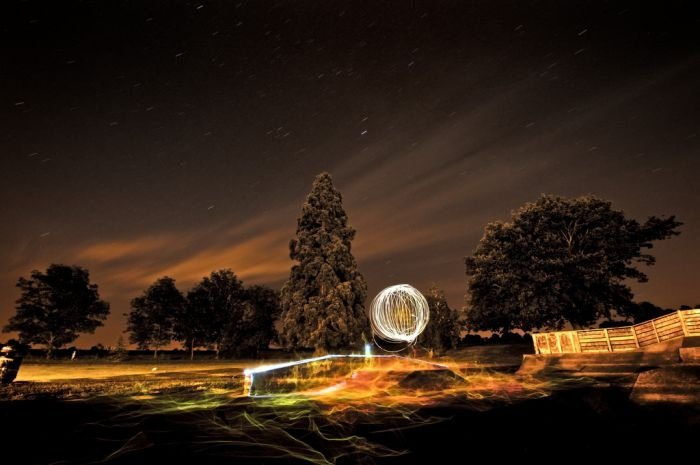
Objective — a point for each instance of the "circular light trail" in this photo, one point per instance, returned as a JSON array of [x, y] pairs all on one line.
[[399, 314]]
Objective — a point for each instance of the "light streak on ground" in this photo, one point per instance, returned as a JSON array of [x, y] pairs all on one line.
[[360, 411], [345, 416]]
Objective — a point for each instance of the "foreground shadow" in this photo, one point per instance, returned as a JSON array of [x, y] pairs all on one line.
[[595, 422]]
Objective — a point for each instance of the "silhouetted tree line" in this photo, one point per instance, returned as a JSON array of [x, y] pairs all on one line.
[[218, 313], [557, 262], [495, 338]]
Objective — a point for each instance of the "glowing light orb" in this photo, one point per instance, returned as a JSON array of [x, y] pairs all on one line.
[[399, 314]]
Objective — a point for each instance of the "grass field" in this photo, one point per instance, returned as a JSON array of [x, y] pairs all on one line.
[[39, 370], [42, 372], [85, 412]]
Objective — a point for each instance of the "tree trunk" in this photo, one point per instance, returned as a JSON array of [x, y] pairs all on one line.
[[218, 347], [155, 352], [49, 347], [192, 350]]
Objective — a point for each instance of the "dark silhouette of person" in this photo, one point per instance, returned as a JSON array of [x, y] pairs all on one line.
[[10, 361]]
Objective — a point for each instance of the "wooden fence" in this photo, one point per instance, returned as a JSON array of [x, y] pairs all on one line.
[[671, 326]]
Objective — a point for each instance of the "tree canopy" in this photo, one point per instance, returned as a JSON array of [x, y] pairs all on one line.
[[191, 326], [642, 311], [442, 331], [255, 329], [151, 320], [323, 299], [215, 308], [56, 306], [559, 260]]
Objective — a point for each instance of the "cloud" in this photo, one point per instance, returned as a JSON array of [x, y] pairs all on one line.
[[260, 258], [117, 250], [256, 250]]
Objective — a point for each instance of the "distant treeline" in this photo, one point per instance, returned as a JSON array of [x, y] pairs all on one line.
[[557, 263], [99, 352]]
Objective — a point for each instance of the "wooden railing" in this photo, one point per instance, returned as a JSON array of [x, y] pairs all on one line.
[[676, 324]]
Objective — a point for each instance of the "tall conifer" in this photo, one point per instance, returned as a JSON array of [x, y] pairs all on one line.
[[323, 300]]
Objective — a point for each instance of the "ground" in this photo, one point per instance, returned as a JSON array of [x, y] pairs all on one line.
[[181, 412]]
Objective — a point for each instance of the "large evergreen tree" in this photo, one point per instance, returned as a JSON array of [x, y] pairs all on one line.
[[559, 260], [56, 306], [323, 300]]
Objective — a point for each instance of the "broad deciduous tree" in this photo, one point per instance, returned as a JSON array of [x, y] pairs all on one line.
[[151, 320], [215, 307], [56, 306], [559, 260], [255, 330], [191, 326]]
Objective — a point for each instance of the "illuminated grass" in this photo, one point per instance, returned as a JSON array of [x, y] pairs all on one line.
[[352, 420], [322, 429]]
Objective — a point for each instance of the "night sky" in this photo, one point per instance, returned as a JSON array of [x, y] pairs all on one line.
[[144, 138]]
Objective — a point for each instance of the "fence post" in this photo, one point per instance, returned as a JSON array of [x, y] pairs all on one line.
[[558, 335], [577, 344], [607, 339], [634, 333], [656, 333], [680, 317]]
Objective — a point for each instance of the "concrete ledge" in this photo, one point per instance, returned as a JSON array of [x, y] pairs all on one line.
[[603, 362], [671, 384], [690, 354]]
